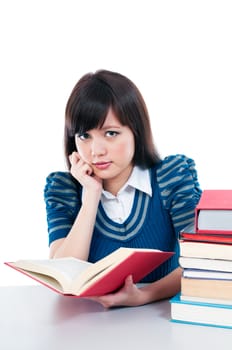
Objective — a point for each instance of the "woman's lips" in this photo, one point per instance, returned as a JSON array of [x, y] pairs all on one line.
[[102, 165]]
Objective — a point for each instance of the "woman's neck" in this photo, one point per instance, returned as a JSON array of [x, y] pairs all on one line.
[[114, 184]]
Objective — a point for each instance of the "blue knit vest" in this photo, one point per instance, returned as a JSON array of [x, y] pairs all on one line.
[[148, 226]]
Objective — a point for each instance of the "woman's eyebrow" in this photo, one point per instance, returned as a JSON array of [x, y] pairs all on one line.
[[104, 127]]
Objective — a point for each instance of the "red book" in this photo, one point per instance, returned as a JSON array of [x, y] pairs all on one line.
[[189, 234], [213, 213], [71, 276]]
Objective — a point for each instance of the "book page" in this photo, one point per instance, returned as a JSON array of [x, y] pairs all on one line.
[[63, 269], [215, 220]]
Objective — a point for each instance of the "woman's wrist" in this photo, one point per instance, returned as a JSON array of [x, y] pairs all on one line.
[[164, 288], [91, 196], [148, 293]]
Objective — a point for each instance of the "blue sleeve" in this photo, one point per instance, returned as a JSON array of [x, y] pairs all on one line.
[[179, 189], [62, 204]]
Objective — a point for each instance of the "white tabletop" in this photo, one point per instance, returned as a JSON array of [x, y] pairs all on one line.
[[34, 317]]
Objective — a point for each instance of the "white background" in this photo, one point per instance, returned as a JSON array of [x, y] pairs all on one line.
[[178, 53]]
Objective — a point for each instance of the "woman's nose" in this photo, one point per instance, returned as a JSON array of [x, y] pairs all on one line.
[[98, 148]]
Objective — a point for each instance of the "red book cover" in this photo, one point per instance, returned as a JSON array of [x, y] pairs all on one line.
[[189, 234], [202, 237], [214, 210], [115, 278]]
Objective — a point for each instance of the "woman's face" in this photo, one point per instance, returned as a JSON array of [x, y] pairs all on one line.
[[109, 150]]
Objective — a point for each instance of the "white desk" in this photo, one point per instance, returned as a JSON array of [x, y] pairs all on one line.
[[35, 318]]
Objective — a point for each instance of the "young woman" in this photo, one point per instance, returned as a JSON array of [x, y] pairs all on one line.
[[118, 192]]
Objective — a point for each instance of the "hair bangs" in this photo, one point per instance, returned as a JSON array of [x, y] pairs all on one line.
[[93, 108]]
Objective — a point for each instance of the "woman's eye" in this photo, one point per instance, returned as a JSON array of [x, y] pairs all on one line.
[[111, 133], [84, 136]]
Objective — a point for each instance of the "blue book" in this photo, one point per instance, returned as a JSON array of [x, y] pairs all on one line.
[[201, 313]]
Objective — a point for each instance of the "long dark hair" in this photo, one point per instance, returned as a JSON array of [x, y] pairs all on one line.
[[89, 103]]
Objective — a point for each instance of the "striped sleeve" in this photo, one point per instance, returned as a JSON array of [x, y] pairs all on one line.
[[62, 204], [179, 188]]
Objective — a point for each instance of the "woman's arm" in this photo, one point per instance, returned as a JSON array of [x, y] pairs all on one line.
[[77, 242], [131, 295]]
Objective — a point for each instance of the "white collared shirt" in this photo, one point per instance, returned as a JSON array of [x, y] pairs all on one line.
[[118, 207]]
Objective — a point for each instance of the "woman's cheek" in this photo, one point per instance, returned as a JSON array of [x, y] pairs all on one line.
[[84, 154]]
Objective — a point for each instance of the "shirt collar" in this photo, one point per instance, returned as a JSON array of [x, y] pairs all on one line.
[[140, 179]]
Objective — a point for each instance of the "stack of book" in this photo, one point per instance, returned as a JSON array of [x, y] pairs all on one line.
[[206, 259]]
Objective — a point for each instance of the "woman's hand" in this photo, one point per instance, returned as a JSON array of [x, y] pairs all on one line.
[[128, 295], [84, 173], [131, 295]]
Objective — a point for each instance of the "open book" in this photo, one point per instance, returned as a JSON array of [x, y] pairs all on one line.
[[71, 276]]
